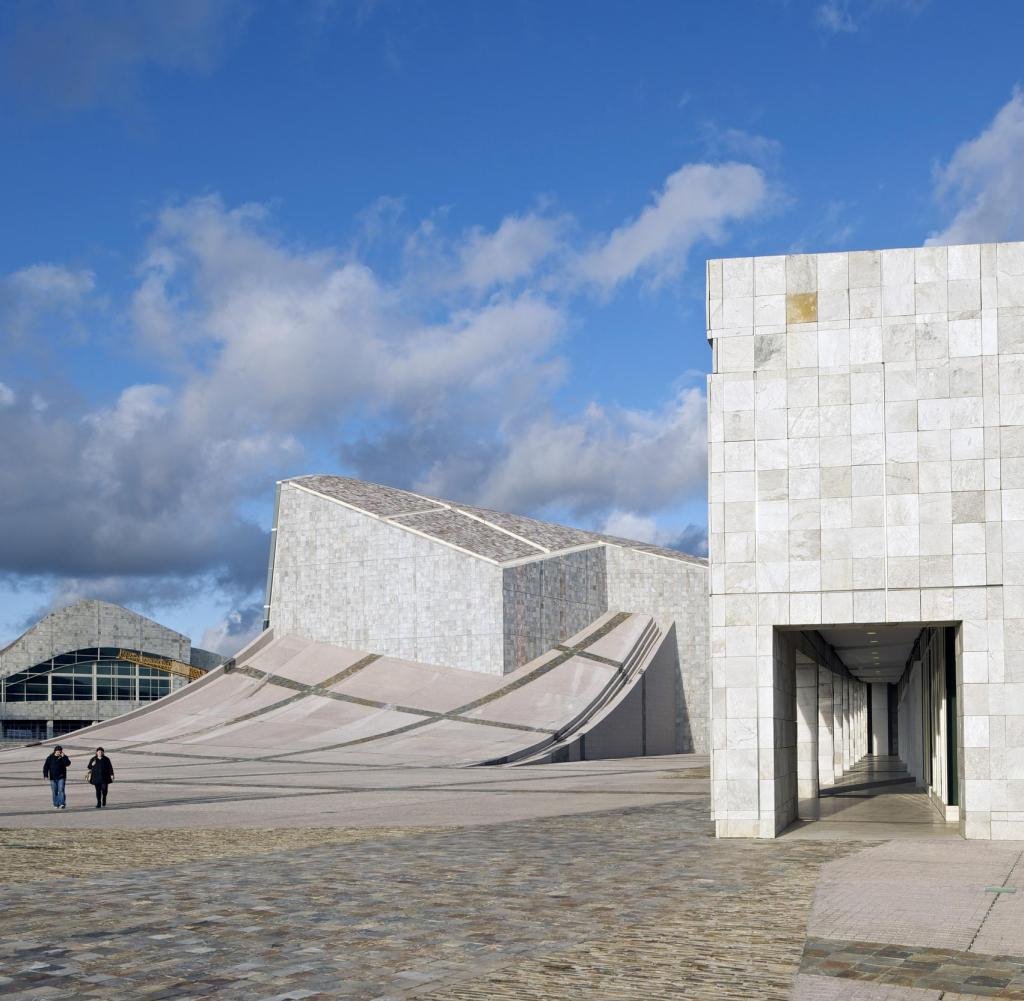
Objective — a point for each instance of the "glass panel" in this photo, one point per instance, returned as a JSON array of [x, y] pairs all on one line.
[[104, 688], [125, 689], [37, 691], [82, 668], [126, 670], [62, 688], [82, 688]]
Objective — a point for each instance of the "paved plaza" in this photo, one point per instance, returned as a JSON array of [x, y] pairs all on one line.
[[584, 880]]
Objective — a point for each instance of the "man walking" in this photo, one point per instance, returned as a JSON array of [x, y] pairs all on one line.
[[55, 768]]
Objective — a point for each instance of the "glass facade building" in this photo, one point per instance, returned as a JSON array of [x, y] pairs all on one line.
[[92, 674], [87, 662]]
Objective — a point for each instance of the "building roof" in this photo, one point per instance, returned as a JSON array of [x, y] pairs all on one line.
[[91, 623], [493, 535]]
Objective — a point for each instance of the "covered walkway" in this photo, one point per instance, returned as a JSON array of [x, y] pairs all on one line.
[[876, 798]]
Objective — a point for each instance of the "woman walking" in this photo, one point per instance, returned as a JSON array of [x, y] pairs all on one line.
[[101, 774]]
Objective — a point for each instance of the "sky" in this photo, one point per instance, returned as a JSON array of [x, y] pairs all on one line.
[[454, 247]]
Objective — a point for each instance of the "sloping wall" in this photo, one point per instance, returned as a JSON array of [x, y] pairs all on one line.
[[675, 592], [345, 577], [550, 599]]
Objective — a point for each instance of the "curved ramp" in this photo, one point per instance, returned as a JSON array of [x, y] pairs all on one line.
[[291, 699]]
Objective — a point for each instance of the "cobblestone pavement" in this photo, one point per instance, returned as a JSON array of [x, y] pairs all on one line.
[[637, 903], [29, 855]]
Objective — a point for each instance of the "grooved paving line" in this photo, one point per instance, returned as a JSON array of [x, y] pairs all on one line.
[[638, 904]]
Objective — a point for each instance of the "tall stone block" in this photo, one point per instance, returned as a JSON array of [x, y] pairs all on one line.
[[866, 465]]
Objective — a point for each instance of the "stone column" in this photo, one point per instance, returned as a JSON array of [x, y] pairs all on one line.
[[837, 726], [807, 740], [826, 723], [847, 724]]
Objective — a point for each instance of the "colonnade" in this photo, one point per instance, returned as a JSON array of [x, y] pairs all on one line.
[[831, 729]]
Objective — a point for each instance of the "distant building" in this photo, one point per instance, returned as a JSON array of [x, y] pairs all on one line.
[[370, 567], [87, 662]]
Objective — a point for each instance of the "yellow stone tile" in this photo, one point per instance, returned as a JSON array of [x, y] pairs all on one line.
[[802, 307]]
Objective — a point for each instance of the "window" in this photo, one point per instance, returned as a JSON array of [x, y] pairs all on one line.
[[82, 676]]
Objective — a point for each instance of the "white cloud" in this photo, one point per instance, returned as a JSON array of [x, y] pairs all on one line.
[[691, 538], [601, 459], [835, 16], [133, 490], [696, 202], [733, 142], [512, 251], [30, 295], [53, 281], [292, 339], [276, 351], [239, 627], [984, 182]]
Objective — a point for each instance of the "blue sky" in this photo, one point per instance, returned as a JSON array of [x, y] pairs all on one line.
[[456, 247]]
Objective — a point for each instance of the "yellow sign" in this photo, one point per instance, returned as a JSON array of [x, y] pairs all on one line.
[[162, 664]]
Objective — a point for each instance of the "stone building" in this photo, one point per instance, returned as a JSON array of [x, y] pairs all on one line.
[[87, 662], [866, 453], [374, 568]]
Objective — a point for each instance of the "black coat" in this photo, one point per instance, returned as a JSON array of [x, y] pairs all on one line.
[[56, 768], [101, 771]]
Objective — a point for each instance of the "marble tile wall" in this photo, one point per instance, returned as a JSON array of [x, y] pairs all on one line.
[[866, 465], [344, 577], [675, 592]]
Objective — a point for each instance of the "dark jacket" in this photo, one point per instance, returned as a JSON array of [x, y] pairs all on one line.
[[56, 768], [101, 771]]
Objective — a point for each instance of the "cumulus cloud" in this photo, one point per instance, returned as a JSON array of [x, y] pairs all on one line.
[[129, 491], [601, 459], [512, 251], [30, 295], [293, 339], [697, 202], [239, 627], [984, 181], [276, 352], [692, 539], [74, 54]]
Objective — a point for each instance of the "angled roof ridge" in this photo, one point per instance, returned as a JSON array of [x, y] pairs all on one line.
[[469, 514], [382, 501]]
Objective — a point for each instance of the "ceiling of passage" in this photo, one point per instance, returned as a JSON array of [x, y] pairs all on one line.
[[873, 653]]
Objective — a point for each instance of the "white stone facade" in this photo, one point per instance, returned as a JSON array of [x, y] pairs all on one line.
[[343, 577], [866, 466], [362, 566]]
